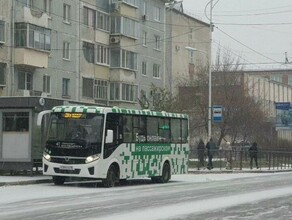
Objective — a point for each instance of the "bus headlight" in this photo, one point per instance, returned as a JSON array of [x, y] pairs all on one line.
[[92, 158], [47, 156]]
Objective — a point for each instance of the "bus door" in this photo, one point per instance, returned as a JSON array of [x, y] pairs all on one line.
[[113, 123], [179, 131]]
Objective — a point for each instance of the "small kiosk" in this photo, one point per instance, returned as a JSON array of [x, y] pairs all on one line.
[[20, 138]]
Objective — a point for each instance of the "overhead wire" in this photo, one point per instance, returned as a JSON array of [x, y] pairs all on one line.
[[255, 51]]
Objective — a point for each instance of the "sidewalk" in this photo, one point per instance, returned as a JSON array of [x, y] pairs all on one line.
[[23, 180], [237, 170], [9, 180]]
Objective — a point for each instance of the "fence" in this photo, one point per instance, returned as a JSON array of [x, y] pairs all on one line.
[[239, 159]]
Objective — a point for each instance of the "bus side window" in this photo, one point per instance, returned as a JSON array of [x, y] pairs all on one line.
[[139, 129], [164, 130], [152, 129], [175, 130], [127, 128], [184, 131]]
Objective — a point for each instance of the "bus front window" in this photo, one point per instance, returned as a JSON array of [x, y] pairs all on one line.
[[66, 128]]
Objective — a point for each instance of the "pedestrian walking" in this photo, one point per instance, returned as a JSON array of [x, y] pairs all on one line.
[[228, 155], [211, 148], [253, 153], [201, 153]]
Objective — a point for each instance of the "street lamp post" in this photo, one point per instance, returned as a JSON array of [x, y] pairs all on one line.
[[210, 69], [210, 75], [209, 87]]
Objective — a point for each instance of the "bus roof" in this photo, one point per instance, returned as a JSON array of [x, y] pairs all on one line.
[[104, 110]]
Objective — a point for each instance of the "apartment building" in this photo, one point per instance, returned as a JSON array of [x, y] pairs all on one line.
[[187, 46], [69, 51]]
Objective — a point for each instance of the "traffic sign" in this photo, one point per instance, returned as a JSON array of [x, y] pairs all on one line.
[[217, 113]]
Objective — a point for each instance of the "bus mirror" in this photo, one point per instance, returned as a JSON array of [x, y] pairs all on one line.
[[40, 116], [109, 137]]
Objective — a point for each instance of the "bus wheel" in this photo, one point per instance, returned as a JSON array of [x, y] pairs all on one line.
[[58, 180], [154, 179], [111, 177], [166, 175]]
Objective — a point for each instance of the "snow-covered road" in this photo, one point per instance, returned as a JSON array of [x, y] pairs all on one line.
[[205, 196]]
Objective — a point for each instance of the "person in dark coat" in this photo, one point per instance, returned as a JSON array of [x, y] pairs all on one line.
[[253, 153], [211, 148], [201, 153]]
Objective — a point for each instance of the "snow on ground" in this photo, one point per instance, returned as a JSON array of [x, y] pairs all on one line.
[[37, 191], [183, 209]]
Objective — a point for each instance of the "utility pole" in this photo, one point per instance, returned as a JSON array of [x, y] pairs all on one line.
[[210, 75]]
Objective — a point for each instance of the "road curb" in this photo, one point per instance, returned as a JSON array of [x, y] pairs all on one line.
[[25, 182], [237, 171]]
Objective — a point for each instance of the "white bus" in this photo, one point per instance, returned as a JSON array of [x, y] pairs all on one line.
[[113, 144]]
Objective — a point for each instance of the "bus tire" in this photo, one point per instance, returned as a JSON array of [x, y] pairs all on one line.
[[58, 180], [154, 179], [111, 177], [166, 174]]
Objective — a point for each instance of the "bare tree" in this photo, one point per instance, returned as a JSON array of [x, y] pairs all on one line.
[[243, 118]]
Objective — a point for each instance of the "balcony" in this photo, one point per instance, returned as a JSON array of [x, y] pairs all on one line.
[[32, 58], [28, 93], [123, 8], [32, 16]]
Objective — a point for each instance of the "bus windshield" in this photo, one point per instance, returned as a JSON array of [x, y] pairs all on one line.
[[72, 127]]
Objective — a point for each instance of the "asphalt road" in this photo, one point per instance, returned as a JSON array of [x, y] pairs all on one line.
[[261, 197]]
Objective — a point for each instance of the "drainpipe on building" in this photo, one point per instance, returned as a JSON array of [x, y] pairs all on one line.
[[12, 50], [164, 45], [78, 75]]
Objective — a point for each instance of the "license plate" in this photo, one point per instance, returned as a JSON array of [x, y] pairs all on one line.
[[66, 167]]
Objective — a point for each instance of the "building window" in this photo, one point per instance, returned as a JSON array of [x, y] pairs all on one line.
[[156, 70], [28, 35], [102, 54], [115, 91], [87, 87], [103, 21], [47, 84], [88, 51], [2, 73], [125, 26], [123, 59], [66, 13], [129, 60], [65, 87], [48, 6], [2, 31], [100, 89], [144, 38], [66, 50], [144, 68], [157, 13], [131, 2], [290, 80], [89, 17], [191, 56], [26, 3], [277, 78], [157, 42], [128, 92], [25, 80], [15, 121]]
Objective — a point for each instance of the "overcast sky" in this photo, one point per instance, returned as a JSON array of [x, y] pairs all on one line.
[[263, 44]]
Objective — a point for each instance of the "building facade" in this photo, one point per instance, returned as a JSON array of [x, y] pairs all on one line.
[[187, 46], [54, 52]]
